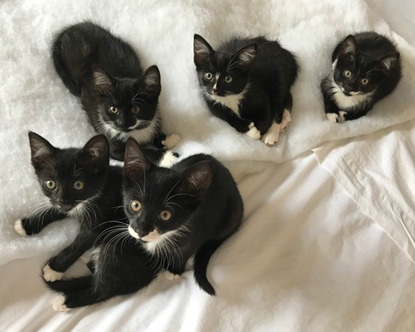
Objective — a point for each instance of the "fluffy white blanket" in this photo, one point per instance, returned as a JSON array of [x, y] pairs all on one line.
[[33, 97]]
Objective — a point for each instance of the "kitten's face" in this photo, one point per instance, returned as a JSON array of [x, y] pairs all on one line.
[[68, 177], [357, 73], [127, 104], [222, 74], [159, 201]]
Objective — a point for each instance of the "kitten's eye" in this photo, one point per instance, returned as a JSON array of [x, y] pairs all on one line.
[[135, 206], [208, 76], [50, 184], [78, 185], [228, 79], [113, 110], [347, 73], [364, 81], [165, 215], [135, 110]]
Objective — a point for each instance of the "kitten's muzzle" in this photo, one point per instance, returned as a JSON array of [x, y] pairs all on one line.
[[64, 206]]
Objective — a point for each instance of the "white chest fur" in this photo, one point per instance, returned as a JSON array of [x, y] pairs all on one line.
[[346, 102], [232, 101]]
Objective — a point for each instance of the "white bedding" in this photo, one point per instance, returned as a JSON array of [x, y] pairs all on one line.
[[318, 251]]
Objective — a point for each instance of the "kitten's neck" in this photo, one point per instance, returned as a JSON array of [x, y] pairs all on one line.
[[233, 102]]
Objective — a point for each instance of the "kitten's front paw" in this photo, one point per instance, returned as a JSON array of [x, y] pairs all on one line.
[[58, 303], [171, 276], [341, 116], [51, 275], [253, 132], [18, 228], [168, 159], [286, 120], [272, 135], [333, 117], [171, 141]]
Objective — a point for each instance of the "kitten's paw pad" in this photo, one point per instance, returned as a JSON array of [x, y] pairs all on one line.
[[171, 276], [58, 303], [272, 136], [286, 120], [51, 275], [332, 117], [18, 228], [171, 141], [253, 132], [341, 116], [168, 159]]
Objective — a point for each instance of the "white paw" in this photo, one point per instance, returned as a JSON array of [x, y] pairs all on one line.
[[18, 228], [272, 135], [171, 141], [332, 117], [171, 276], [286, 120], [253, 132], [168, 159], [341, 116], [51, 275], [58, 303]]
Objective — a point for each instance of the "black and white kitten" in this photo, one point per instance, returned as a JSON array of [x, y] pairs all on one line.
[[118, 96], [78, 183], [365, 68], [189, 209], [247, 83]]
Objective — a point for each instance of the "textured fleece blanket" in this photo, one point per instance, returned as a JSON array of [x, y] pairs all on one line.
[[32, 96]]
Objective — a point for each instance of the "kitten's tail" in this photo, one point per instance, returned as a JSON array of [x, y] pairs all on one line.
[[201, 261], [70, 284]]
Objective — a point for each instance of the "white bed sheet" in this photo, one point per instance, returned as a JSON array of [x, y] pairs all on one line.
[[306, 259]]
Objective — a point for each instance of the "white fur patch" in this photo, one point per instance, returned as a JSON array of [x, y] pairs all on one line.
[[168, 159], [232, 101], [345, 102], [332, 117], [51, 275], [171, 276], [341, 116], [133, 233], [254, 132], [272, 135], [18, 228], [286, 120], [171, 141], [156, 240], [58, 303]]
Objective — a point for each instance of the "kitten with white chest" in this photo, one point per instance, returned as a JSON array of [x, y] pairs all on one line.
[[119, 97], [247, 83], [189, 209], [365, 68]]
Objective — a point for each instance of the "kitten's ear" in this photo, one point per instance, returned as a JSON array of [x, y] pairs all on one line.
[[150, 82], [348, 48], [41, 149], [245, 57], [102, 82], [196, 180], [96, 153], [202, 50], [389, 61], [135, 163]]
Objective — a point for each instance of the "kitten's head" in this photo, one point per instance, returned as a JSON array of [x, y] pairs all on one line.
[[70, 176], [125, 103], [159, 201], [222, 74], [358, 73]]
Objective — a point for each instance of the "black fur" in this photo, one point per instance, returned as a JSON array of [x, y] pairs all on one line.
[[372, 64], [200, 199], [106, 74], [262, 67]]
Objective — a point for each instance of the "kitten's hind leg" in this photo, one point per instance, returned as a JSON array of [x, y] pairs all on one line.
[[286, 116], [79, 298]]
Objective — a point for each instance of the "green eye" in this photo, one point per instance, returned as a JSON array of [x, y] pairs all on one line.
[[135, 110], [50, 184], [364, 81], [228, 79], [347, 73], [208, 76], [78, 185], [165, 215], [113, 110], [135, 206]]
